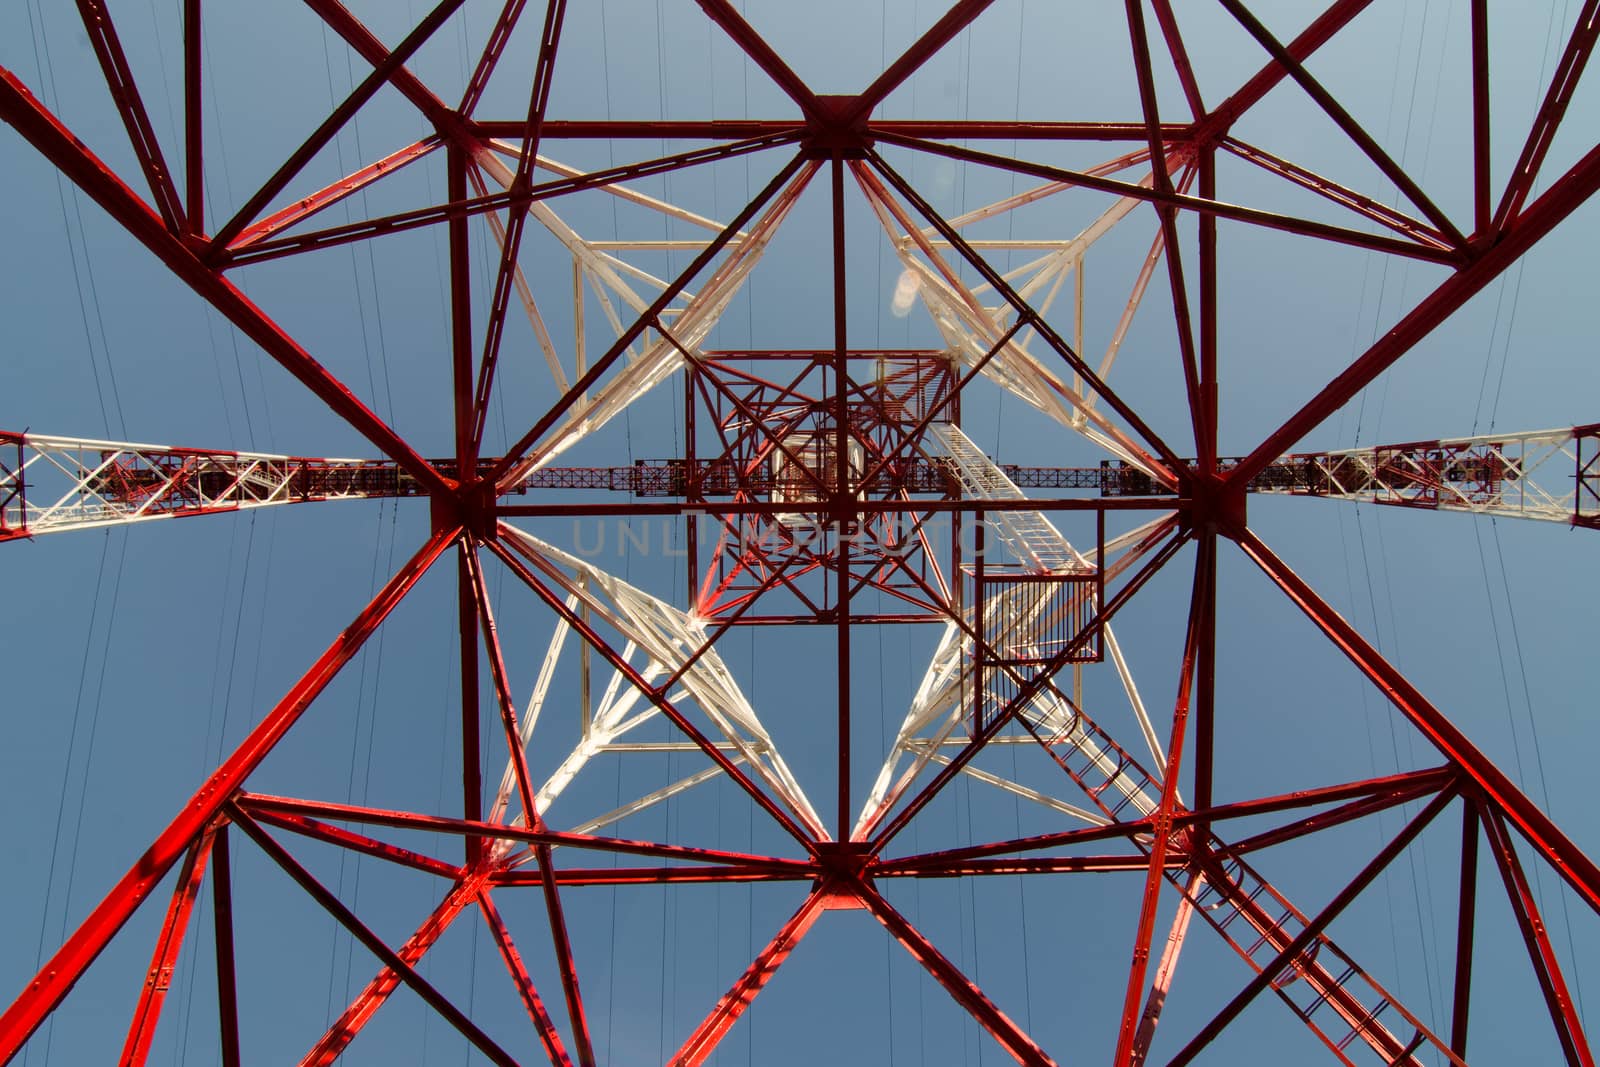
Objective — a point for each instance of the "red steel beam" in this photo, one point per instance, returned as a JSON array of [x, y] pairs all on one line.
[[499, 37], [941, 33], [1466, 920], [1023, 130], [1318, 33], [726, 16], [1205, 700], [1221, 209], [1555, 847], [1406, 786], [735, 129], [1332, 191], [1554, 108], [760, 507], [307, 206], [165, 958], [57, 144], [1180, 57], [222, 929], [354, 842], [1166, 970], [1161, 177], [840, 502], [504, 699], [347, 233], [460, 319], [125, 96], [592, 876], [700, 1044], [1481, 219], [1553, 206], [1161, 818], [1563, 1012], [58, 976], [1031, 865], [565, 963], [1323, 820], [1011, 1037], [240, 252], [407, 820], [193, 119], [367, 45], [548, 1035], [517, 213], [471, 767]]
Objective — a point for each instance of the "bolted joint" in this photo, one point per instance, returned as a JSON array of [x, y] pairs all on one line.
[[1215, 505], [837, 129], [846, 867], [845, 860], [470, 506]]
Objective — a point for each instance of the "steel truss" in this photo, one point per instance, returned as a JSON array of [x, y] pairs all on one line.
[[78, 484], [809, 453]]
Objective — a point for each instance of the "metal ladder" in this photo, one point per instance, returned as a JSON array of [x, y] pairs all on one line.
[[1029, 536], [1339, 1001]]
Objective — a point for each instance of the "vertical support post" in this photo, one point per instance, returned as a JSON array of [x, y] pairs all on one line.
[[158, 980], [1466, 917], [1481, 218], [460, 314], [1207, 225], [548, 1035], [1161, 179], [193, 118], [1161, 825], [1165, 971], [502, 687], [1209, 423], [1563, 1013], [471, 772], [844, 516], [565, 963], [222, 924], [102, 35], [1206, 684]]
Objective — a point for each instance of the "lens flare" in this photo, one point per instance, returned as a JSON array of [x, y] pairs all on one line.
[[905, 293]]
